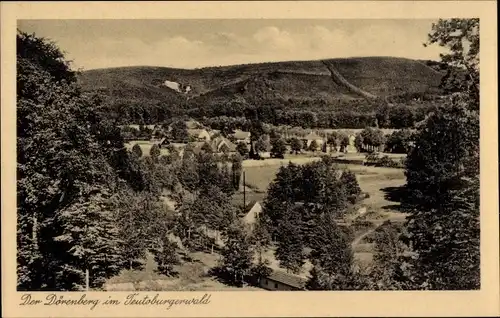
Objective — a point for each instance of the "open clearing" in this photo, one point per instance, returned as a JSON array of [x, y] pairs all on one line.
[[192, 276]]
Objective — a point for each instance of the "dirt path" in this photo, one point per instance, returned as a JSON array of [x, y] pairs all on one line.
[[377, 224]]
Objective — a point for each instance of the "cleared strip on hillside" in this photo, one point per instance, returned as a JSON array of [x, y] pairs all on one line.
[[341, 81]]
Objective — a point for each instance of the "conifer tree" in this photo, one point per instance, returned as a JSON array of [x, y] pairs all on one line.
[[290, 250], [166, 256], [137, 151], [65, 180], [155, 153], [236, 168], [351, 185], [237, 254], [296, 145], [442, 173]]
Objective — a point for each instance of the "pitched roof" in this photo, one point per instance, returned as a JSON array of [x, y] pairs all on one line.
[[195, 132], [215, 143], [288, 279], [251, 205], [212, 132], [193, 124], [197, 146]]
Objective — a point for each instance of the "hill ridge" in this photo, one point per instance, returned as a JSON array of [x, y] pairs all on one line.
[[316, 81]]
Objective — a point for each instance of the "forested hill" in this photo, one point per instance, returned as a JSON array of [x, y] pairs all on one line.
[[346, 84]]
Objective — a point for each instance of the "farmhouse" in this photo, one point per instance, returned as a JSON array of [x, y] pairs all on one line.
[[308, 139], [222, 145], [252, 212], [199, 134], [193, 124], [218, 145], [279, 280], [242, 136]]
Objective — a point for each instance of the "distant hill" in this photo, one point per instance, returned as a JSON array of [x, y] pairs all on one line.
[[327, 80]]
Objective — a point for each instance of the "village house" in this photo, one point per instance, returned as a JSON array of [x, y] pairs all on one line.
[[279, 280], [138, 127], [242, 136], [218, 145], [193, 124], [199, 134], [309, 138], [213, 132], [251, 214], [222, 145], [177, 146]]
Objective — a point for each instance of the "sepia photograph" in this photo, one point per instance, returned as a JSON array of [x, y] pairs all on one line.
[[248, 154], [249, 159]]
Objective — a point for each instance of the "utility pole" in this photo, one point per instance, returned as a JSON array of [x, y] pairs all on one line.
[[244, 191]]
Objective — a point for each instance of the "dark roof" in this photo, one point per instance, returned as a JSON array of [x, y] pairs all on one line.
[[288, 279], [250, 205]]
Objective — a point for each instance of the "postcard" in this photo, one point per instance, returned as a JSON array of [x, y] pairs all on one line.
[[237, 159]]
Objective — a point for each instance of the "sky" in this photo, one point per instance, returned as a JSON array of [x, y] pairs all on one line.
[[92, 44]]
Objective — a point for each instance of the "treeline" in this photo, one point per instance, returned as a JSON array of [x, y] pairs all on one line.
[[306, 114]]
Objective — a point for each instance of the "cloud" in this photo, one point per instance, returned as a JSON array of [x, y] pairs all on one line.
[[275, 39], [321, 38], [268, 43]]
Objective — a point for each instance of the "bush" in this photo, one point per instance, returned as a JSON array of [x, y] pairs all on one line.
[[374, 159]]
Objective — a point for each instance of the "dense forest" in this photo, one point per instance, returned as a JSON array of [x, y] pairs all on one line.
[[303, 94]]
